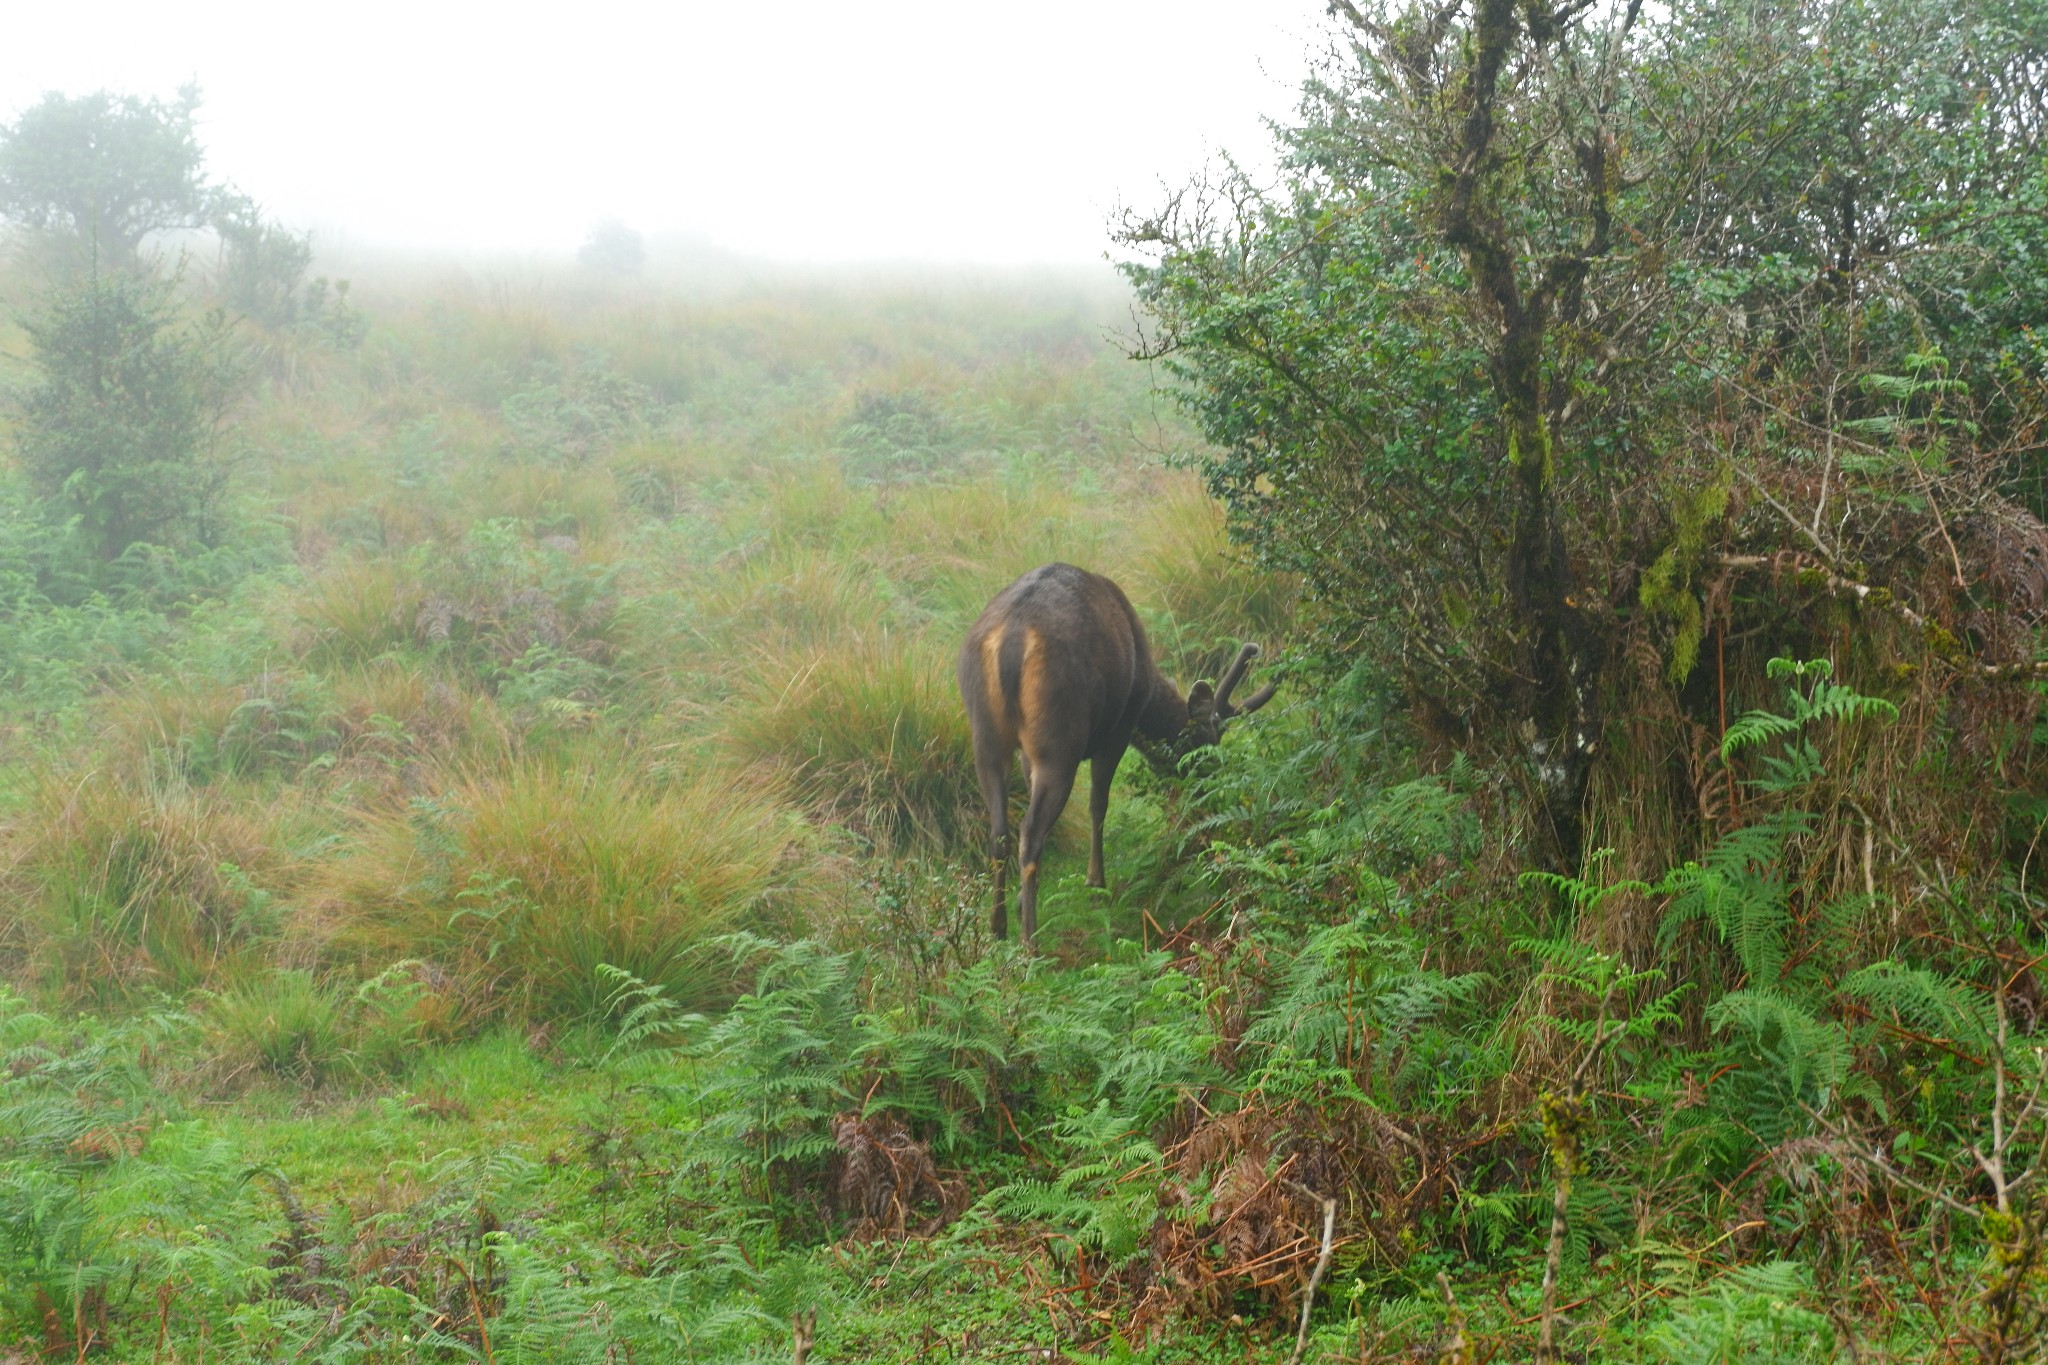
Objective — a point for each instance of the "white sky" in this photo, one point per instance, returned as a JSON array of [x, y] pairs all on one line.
[[894, 129]]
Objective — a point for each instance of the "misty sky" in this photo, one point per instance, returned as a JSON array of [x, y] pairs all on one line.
[[894, 129]]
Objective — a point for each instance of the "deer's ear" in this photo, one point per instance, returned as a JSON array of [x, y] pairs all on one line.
[[1201, 701]]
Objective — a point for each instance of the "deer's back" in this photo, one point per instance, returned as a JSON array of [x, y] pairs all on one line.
[[1058, 663]]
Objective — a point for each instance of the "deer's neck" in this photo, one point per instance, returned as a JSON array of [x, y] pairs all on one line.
[[1165, 712]]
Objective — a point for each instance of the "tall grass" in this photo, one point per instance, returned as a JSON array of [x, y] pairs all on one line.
[[147, 883], [523, 878], [874, 733], [482, 583]]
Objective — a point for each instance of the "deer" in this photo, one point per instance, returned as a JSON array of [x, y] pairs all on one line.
[[1057, 667]]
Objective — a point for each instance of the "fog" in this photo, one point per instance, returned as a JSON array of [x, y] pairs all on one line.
[[905, 130]]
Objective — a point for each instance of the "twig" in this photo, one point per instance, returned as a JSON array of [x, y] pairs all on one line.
[[802, 1335], [476, 1306], [1315, 1280], [1840, 586], [1560, 1124], [1457, 1351]]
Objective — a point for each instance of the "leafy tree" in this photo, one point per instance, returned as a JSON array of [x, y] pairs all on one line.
[[121, 428], [613, 249], [106, 169], [1563, 316]]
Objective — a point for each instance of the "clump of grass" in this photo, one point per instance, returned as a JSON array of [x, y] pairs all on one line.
[[279, 1021], [150, 725], [393, 712], [481, 608], [358, 611], [123, 885], [579, 503], [288, 1023], [875, 735], [524, 878]]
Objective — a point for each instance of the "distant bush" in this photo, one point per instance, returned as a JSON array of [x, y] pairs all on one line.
[[612, 248], [898, 438]]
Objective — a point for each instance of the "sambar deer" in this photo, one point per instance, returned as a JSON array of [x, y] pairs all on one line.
[[1058, 667]]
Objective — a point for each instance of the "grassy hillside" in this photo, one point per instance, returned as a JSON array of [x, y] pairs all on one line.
[[514, 891], [557, 629]]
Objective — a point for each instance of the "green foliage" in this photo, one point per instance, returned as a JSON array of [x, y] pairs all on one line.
[[779, 1063], [1741, 886], [1753, 1314], [1106, 1193], [586, 414], [1353, 1000], [1667, 586], [1131, 1032], [122, 429], [897, 438], [1556, 328], [262, 276], [1823, 700]]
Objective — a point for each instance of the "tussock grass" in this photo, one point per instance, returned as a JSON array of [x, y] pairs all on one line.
[[522, 878], [358, 611], [555, 501], [394, 710], [283, 1022], [874, 734], [128, 885]]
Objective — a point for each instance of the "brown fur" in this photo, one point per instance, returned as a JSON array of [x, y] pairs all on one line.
[[1058, 666]]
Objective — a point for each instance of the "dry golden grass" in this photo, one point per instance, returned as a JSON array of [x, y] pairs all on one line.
[[1180, 570], [873, 733], [144, 882], [524, 877]]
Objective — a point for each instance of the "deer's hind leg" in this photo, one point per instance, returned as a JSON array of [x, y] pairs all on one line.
[[993, 770], [1051, 784]]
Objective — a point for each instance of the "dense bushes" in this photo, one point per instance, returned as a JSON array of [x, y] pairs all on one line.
[[1549, 432]]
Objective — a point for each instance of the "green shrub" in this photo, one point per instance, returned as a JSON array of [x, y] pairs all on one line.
[[122, 427]]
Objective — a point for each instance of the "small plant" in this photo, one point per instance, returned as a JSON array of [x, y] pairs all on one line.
[[282, 1022]]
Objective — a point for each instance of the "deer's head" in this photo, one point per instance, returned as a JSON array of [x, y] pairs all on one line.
[[1209, 710]]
